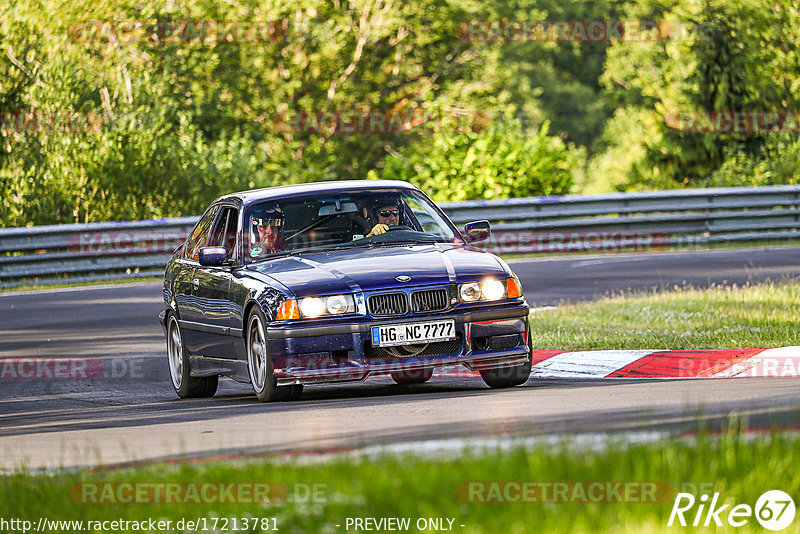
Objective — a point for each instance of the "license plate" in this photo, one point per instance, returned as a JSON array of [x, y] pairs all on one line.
[[405, 334]]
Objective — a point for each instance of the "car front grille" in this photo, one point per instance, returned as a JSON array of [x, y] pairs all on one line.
[[429, 300], [388, 304], [412, 351]]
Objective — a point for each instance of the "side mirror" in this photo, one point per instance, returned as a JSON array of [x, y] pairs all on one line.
[[477, 231], [212, 256]]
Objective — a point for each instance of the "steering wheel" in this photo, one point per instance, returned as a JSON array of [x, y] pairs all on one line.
[[399, 227]]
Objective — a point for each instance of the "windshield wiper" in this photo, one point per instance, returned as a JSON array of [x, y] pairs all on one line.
[[340, 246], [408, 242], [276, 255]]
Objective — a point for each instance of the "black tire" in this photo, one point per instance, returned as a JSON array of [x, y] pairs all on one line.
[[185, 385], [259, 363], [510, 376], [212, 382], [416, 376], [295, 392]]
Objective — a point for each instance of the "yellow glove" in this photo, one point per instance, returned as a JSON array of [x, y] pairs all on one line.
[[378, 229]]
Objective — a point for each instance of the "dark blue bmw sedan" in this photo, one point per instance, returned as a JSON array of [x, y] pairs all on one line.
[[338, 281]]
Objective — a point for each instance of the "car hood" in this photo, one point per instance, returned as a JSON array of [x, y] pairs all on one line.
[[353, 270]]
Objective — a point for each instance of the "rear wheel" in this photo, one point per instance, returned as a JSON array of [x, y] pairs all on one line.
[[510, 376], [185, 385], [259, 363], [416, 376]]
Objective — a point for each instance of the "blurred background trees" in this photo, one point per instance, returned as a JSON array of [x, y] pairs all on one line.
[[172, 123]]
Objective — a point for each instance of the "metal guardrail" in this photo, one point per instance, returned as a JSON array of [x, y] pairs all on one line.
[[572, 223]]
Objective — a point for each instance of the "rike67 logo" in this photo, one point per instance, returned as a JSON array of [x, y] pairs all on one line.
[[774, 510]]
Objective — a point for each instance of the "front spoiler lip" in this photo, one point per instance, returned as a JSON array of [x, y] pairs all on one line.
[[360, 373], [517, 311]]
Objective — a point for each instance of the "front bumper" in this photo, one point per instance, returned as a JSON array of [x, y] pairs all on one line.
[[486, 338]]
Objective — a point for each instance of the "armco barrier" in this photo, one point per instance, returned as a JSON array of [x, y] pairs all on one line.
[[610, 222]]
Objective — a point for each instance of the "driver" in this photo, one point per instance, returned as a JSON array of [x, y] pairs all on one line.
[[266, 224], [386, 214]]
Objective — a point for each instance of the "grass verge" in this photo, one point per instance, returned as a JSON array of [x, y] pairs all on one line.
[[321, 496], [758, 316]]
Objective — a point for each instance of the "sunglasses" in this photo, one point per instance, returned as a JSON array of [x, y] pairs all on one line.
[[387, 213]]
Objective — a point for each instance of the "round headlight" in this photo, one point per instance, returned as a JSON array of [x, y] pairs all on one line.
[[493, 290], [336, 304], [470, 292], [311, 307]]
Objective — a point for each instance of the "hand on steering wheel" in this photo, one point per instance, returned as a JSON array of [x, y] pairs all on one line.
[[378, 229], [381, 228]]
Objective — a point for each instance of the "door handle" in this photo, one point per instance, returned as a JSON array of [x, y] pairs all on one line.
[[196, 283]]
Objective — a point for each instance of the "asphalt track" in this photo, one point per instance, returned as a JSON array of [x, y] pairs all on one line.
[[130, 413]]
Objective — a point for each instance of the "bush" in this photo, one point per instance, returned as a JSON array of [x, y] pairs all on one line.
[[501, 161], [778, 162]]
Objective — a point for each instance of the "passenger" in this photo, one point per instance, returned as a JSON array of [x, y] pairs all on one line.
[[266, 225]]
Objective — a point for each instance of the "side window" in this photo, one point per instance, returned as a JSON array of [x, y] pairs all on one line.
[[199, 236], [224, 232]]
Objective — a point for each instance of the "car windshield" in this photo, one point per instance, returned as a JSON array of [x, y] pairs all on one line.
[[342, 220]]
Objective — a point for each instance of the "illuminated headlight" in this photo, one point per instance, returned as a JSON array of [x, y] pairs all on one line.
[[486, 290], [493, 290], [313, 307], [470, 292]]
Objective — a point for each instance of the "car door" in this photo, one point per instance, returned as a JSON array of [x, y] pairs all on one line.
[[212, 290], [189, 310]]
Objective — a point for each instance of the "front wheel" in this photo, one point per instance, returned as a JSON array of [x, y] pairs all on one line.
[[259, 363], [185, 385], [506, 377]]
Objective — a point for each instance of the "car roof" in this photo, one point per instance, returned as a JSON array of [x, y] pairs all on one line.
[[283, 191]]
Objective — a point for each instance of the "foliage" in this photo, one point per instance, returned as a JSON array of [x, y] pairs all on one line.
[[498, 162], [179, 120], [185, 119], [732, 56], [777, 162]]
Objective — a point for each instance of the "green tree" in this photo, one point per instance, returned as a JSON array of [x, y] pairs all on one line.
[[501, 161], [732, 56]]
